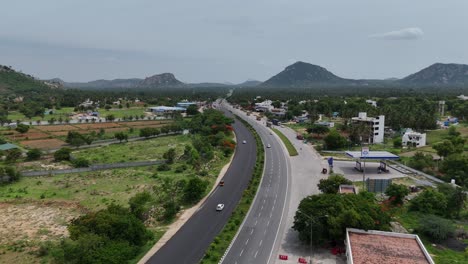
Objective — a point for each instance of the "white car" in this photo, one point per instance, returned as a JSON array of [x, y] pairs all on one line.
[[268, 146], [219, 207], [244, 141]]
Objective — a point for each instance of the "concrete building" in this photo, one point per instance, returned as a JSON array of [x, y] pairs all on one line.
[[185, 104], [379, 247], [265, 106], [372, 102], [414, 139], [376, 125], [165, 110], [345, 189], [462, 97]]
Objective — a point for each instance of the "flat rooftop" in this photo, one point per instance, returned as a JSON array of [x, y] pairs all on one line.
[[382, 155], [378, 247]]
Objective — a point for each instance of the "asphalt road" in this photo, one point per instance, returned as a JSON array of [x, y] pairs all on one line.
[[189, 244], [257, 241]]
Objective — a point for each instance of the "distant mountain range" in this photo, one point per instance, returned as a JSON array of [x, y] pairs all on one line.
[[299, 74], [155, 81]]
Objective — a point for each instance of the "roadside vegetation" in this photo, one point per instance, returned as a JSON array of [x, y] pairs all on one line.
[[150, 197], [289, 146], [222, 241]]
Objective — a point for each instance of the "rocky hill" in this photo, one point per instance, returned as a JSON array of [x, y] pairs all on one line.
[[439, 74], [160, 80], [15, 82], [249, 83], [301, 74]]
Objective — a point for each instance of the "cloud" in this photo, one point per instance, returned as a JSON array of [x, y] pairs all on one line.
[[402, 34]]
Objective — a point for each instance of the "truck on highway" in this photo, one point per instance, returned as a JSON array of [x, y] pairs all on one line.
[[248, 113], [268, 124], [259, 118], [300, 136], [275, 122]]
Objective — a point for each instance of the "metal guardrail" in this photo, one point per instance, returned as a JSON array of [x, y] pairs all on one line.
[[92, 168]]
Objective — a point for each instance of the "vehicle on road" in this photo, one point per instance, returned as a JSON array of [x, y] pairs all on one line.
[[271, 133], [268, 146], [221, 183], [244, 141], [219, 207]]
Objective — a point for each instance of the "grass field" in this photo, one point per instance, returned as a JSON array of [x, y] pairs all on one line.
[[291, 149], [151, 149]]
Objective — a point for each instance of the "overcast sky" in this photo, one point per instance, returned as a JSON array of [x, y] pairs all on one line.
[[229, 41]]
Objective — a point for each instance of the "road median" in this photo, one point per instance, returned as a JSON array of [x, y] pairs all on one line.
[[289, 146]]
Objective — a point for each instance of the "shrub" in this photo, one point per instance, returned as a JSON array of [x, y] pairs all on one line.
[[22, 128], [164, 167], [332, 183], [62, 154], [429, 201], [80, 163], [34, 154], [398, 192], [436, 228]]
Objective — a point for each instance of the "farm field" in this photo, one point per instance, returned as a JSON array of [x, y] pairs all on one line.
[[49, 137]]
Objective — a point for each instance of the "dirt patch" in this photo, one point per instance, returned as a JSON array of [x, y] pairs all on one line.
[[35, 220], [44, 144], [53, 128], [97, 126]]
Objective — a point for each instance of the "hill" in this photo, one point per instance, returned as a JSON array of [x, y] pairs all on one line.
[[101, 84], [301, 74], [439, 74], [19, 83], [160, 80], [249, 83]]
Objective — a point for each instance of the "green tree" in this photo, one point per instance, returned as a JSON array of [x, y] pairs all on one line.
[[140, 204], [456, 199], [13, 155], [331, 214], [332, 183], [444, 148], [192, 110], [9, 174], [115, 223], [276, 104], [110, 117], [34, 154], [397, 143], [397, 193], [170, 155], [429, 201], [194, 190], [334, 140], [121, 136]]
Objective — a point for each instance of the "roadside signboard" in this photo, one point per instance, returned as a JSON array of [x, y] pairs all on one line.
[[364, 151]]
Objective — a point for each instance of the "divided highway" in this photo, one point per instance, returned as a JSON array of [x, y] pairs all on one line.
[[189, 244], [257, 241]]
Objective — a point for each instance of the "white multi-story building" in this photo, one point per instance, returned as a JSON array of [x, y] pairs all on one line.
[[372, 102], [376, 125], [414, 139]]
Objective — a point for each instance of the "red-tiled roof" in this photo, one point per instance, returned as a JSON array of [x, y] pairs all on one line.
[[376, 247]]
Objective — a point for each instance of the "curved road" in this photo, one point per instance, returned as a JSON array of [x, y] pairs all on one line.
[[257, 241], [189, 244]]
